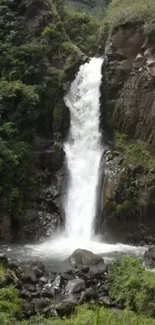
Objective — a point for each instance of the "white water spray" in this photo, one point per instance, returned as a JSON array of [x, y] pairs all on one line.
[[83, 152], [83, 149]]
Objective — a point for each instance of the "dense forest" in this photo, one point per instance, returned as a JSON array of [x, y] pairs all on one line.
[[39, 44]]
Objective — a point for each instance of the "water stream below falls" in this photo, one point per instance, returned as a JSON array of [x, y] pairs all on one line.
[[83, 153]]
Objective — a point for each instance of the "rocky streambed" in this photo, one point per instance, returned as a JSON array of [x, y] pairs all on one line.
[[48, 292]]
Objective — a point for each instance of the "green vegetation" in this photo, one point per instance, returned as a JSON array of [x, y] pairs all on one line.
[[134, 153], [82, 30], [128, 11], [10, 305], [2, 275], [133, 286], [85, 316], [33, 67]]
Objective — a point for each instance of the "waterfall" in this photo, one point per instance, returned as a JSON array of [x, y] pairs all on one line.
[[83, 149], [83, 153]]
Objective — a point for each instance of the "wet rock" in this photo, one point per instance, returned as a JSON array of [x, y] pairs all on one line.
[[58, 282], [106, 301], [28, 308], [48, 292], [85, 269], [139, 61], [149, 257], [85, 257], [91, 293], [126, 65], [32, 276], [53, 157], [103, 291], [40, 303], [50, 311], [43, 280], [3, 259], [75, 286], [25, 294], [66, 307], [40, 265], [5, 229], [12, 277], [12, 265]]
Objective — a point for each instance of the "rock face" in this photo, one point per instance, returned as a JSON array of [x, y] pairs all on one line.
[[42, 217], [130, 68], [84, 257], [129, 201], [128, 194]]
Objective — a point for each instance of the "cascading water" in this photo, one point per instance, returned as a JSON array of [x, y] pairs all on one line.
[[83, 152], [83, 149]]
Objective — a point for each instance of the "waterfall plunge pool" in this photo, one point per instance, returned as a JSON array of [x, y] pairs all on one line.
[[83, 153]]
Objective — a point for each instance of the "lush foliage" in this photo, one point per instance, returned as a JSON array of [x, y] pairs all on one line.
[[82, 30], [127, 11], [10, 305], [134, 153], [33, 67], [133, 286]]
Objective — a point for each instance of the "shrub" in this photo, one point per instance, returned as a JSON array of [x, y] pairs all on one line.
[[127, 11], [90, 316], [133, 286], [9, 302], [134, 153]]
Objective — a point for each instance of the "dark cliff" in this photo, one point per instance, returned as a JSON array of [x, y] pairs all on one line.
[[129, 112]]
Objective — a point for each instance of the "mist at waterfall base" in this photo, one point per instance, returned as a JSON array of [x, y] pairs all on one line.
[[83, 153]]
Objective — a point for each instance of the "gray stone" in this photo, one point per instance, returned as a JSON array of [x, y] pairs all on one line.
[[66, 307], [75, 286], [138, 62], [90, 294], [85, 257], [58, 282], [3, 259], [106, 301], [149, 257]]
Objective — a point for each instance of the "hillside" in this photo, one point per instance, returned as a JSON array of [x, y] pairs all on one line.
[[39, 53]]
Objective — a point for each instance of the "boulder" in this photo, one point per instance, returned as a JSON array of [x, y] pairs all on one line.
[[106, 302], [139, 61], [149, 257], [91, 293], [75, 286], [3, 259], [66, 307], [85, 257], [58, 282], [41, 303], [85, 269]]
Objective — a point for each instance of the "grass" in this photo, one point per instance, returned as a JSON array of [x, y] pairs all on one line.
[[93, 316]]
